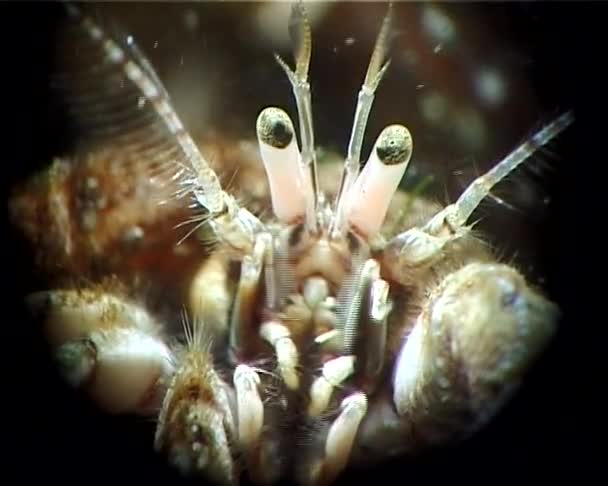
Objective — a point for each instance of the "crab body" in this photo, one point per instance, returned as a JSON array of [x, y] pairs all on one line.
[[353, 324]]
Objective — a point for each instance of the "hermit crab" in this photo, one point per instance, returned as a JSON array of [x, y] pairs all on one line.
[[312, 317]]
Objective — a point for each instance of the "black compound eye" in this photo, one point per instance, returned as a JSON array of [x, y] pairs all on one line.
[[274, 128], [394, 145]]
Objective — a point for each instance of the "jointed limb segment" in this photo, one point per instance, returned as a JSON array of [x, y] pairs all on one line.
[[365, 326], [341, 436], [242, 323], [279, 337], [335, 372], [250, 409]]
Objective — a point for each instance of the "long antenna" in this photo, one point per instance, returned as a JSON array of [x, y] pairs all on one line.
[[300, 32], [376, 69], [458, 213]]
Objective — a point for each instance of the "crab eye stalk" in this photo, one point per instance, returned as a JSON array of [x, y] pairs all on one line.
[[279, 151], [373, 190]]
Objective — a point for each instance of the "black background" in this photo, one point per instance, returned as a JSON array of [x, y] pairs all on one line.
[[54, 435]]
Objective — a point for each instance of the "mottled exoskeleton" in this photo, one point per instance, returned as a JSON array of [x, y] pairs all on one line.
[[337, 329]]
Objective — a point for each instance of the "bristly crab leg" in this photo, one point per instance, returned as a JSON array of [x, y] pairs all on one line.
[[196, 426]]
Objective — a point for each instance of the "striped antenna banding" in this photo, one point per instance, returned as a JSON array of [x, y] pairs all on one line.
[[468, 201], [203, 181]]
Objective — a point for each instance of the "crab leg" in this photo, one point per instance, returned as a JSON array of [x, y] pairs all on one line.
[[279, 337], [196, 426], [242, 330], [107, 345], [335, 372], [340, 438], [250, 410], [480, 330], [365, 325]]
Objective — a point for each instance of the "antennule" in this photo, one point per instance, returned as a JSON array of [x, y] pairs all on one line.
[[376, 69], [300, 32]]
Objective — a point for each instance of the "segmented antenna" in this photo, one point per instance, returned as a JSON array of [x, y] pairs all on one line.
[[146, 131], [300, 32], [376, 69], [457, 214]]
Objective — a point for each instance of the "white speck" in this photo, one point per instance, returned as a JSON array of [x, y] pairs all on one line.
[[471, 128], [130, 40], [141, 102], [437, 48], [438, 25], [419, 86], [96, 33], [490, 86], [349, 41], [155, 44], [443, 382], [270, 19], [113, 51], [191, 19], [546, 200], [91, 183], [434, 106], [410, 56], [134, 233], [88, 219]]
